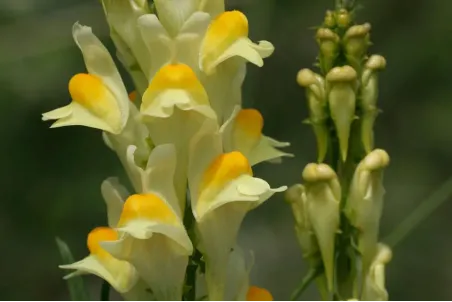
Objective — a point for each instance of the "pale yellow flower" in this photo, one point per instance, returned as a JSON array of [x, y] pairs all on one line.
[[222, 190], [153, 237], [99, 98]]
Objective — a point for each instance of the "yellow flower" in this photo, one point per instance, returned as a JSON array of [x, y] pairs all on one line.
[[99, 98], [227, 37], [121, 275], [174, 106], [154, 239], [222, 190], [243, 132]]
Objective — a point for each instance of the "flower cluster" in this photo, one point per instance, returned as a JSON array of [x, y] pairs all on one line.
[[184, 140], [338, 208]]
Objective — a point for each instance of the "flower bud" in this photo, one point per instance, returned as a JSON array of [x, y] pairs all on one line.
[[369, 97], [296, 196], [323, 195], [365, 203], [374, 285], [342, 86], [356, 42], [316, 96], [329, 20], [343, 18], [328, 42]]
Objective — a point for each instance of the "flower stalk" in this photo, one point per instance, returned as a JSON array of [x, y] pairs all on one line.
[[342, 101]]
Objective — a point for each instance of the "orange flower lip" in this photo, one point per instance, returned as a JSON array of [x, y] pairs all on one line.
[[146, 206], [98, 235]]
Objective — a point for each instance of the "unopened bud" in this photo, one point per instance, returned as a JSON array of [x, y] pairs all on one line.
[[342, 85], [369, 97], [329, 20], [356, 43], [323, 194], [328, 42], [343, 18], [296, 196], [374, 288], [365, 203], [315, 93]]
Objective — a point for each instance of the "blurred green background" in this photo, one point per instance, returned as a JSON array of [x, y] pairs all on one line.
[[50, 178]]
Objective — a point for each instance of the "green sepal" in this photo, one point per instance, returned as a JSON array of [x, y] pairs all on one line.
[[77, 291]]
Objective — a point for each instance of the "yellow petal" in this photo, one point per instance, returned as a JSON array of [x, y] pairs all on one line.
[[243, 132], [97, 235], [258, 294], [173, 85], [114, 195], [224, 169], [247, 129], [90, 92], [224, 30], [147, 206]]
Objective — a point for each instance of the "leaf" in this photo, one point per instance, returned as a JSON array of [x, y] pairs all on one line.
[[76, 287], [313, 273]]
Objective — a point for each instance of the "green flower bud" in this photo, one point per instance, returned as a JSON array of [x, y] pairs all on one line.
[[318, 116], [296, 197], [356, 42], [365, 203], [323, 195], [374, 288], [328, 42], [343, 18], [342, 85], [369, 97], [329, 20]]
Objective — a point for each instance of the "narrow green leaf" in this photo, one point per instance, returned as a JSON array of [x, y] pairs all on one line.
[[419, 214], [76, 287], [313, 273]]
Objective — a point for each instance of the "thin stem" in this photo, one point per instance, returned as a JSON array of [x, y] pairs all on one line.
[[105, 291], [423, 210], [310, 276], [195, 259]]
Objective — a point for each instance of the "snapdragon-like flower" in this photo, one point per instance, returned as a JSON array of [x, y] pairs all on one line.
[[174, 106], [222, 191], [121, 275], [243, 133], [227, 37], [154, 238], [99, 98]]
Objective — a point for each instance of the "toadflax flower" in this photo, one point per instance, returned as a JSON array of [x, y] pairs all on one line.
[[174, 106], [222, 191], [154, 239], [243, 132], [99, 98]]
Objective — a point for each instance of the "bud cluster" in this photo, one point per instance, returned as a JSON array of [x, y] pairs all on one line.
[[338, 208]]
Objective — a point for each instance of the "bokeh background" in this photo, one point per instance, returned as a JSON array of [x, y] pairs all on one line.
[[49, 179]]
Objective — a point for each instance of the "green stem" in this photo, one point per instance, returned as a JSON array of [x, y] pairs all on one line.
[[423, 210], [195, 259], [310, 276], [105, 291]]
